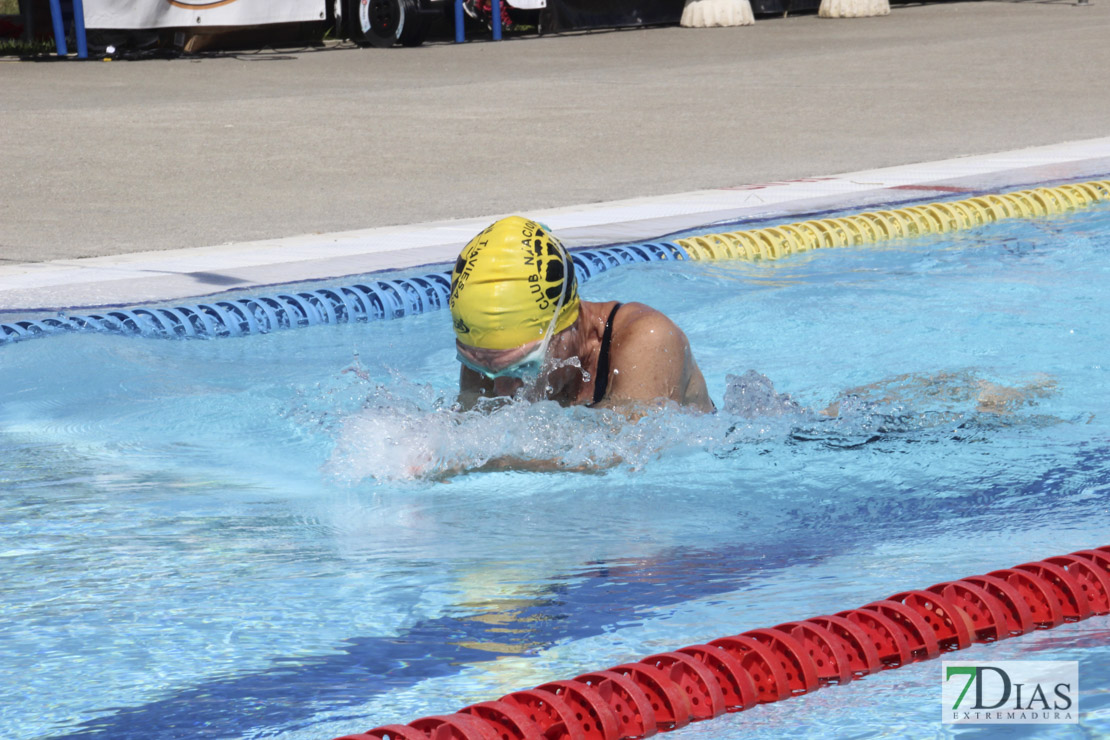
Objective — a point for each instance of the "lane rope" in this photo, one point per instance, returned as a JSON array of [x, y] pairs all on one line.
[[774, 242], [670, 690], [390, 299]]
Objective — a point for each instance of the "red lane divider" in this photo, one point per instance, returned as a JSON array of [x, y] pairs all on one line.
[[670, 690]]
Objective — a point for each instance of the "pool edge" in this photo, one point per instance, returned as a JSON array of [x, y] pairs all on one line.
[[202, 271]]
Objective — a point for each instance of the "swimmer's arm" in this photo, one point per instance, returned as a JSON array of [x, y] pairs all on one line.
[[992, 398], [510, 462], [506, 463]]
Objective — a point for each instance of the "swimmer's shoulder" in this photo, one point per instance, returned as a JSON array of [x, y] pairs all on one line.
[[639, 327], [652, 359]]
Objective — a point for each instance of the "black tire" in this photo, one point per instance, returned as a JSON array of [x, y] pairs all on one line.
[[416, 25], [386, 22]]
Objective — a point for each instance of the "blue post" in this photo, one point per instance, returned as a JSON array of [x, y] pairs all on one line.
[[59, 27], [496, 12], [79, 29], [460, 31]]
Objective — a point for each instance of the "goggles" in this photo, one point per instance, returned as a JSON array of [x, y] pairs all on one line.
[[526, 367]]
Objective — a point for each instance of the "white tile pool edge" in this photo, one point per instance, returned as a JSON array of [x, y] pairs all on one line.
[[147, 277]]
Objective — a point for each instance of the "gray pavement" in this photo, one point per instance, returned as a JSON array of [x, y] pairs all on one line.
[[109, 158]]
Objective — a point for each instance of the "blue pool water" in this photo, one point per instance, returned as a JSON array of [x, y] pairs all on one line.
[[255, 537]]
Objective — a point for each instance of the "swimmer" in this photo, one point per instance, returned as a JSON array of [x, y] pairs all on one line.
[[519, 324]]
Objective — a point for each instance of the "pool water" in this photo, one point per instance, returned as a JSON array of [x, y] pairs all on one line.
[[277, 536]]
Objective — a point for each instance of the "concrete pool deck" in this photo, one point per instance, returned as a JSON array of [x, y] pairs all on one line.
[[131, 182]]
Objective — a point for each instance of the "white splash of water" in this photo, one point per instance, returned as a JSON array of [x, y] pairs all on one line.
[[405, 432], [409, 432]]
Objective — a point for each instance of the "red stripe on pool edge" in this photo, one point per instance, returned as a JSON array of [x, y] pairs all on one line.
[[765, 665], [935, 188]]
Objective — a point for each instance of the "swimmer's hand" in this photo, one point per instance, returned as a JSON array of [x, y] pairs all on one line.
[[994, 398], [358, 370]]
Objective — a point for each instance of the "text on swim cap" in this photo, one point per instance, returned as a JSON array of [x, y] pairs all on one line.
[[463, 267], [549, 264]]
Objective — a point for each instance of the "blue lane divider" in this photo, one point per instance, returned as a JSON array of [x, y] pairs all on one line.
[[366, 301]]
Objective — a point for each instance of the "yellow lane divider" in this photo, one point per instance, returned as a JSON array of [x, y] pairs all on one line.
[[773, 242]]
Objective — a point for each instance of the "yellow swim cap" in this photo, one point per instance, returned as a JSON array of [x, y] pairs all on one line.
[[508, 283]]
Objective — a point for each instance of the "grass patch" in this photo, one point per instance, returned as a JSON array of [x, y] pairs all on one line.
[[17, 48]]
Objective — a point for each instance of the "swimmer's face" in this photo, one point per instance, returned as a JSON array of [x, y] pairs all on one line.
[[533, 365], [525, 361]]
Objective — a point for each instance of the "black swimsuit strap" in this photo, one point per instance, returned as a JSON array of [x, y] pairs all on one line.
[[601, 384]]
